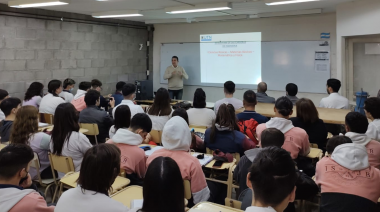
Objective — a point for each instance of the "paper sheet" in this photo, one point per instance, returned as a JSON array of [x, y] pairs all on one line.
[[205, 160]]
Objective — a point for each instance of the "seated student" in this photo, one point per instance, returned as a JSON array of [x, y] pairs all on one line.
[[307, 119], [181, 113], [51, 100], [66, 140], [161, 110], [122, 120], [33, 95], [371, 108], [92, 114], [14, 178], [224, 134], [163, 177], [78, 100], [272, 178], [133, 159], [296, 139], [68, 87], [197, 143], [199, 115], [229, 90], [10, 107], [100, 167], [97, 85], [261, 94], [129, 93], [291, 92], [3, 95], [118, 96], [334, 100], [250, 103], [25, 131], [348, 182], [356, 127], [176, 139]]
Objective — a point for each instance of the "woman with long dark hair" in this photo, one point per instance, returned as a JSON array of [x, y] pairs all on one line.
[[33, 95], [122, 119], [164, 178], [51, 100], [66, 140], [225, 135], [25, 131], [200, 115], [100, 167], [161, 110]]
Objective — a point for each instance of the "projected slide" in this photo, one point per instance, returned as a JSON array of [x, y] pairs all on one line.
[[235, 57]]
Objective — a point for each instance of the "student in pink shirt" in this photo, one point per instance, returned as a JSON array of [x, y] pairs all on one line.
[[14, 177], [356, 127], [176, 139], [296, 139], [78, 100], [348, 182], [133, 159]]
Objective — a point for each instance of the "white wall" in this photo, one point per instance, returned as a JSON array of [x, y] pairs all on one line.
[[354, 19], [291, 28]]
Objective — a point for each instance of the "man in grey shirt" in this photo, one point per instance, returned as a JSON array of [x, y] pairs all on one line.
[[261, 96]]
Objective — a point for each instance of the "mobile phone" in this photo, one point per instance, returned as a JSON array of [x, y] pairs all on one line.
[[218, 164]]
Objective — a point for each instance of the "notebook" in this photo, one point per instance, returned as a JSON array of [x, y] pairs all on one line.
[[205, 160], [42, 124], [149, 152], [137, 203]]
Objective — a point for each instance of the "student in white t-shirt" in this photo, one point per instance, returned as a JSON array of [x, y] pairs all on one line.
[[3, 95], [51, 100], [161, 110], [68, 87], [272, 178], [229, 90], [129, 93], [334, 100], [372, 111], [199, 115]]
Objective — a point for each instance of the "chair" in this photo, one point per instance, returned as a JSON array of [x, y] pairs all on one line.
[[156, 136], [312, 145], [234, 155], [43, 182], [93, 129], [231, 184], [233, 203], [47, 118], [195, 126], [2, 146], [127, 194], [186, 185], [60, 164]]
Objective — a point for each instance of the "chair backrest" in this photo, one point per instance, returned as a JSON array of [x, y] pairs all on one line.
[[195, 126], [156, 136], [313, 145], [61, 163], [186, 185], [235, 155], [36, 164], [92, 128], [233, 203], [2, 146], [46, 118]]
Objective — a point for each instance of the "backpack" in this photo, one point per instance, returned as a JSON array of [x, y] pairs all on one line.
[[248, 127]]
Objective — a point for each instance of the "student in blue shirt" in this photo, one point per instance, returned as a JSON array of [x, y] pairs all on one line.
[[249, 103], [118, 96]]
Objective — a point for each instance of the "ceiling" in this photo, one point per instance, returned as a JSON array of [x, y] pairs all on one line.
[[154, 9]]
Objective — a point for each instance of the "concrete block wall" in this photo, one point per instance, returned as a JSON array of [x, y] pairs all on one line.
[[42, 50]]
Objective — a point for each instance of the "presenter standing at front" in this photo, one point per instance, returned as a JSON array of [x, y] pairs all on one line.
[[175, 74]]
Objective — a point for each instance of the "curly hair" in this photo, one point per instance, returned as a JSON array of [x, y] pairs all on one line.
[[24, 125]]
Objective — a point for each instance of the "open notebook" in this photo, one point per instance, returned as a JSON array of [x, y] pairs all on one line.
[[149, 152], [205, 160]]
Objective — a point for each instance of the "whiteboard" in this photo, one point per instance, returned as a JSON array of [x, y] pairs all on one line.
[[283, 62]]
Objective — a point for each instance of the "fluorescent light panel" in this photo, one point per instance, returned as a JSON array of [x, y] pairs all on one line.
[[271, 3], [36, 3], [199, 8], [117, 14]]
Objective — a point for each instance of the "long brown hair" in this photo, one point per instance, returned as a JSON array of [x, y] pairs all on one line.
[[306, 111], [225, 118], [161, 105], [24, 125]]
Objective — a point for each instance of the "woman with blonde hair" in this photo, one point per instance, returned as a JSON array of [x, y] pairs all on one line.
[[25, 131]]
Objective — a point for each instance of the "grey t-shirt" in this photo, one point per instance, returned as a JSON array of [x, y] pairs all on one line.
[[237, 103]]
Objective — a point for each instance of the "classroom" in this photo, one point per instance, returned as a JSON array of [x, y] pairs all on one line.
[[189, 105]]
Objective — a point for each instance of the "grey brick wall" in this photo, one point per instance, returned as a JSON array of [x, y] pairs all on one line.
[[38, 50]]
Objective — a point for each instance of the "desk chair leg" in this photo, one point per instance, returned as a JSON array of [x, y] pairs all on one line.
[[47, 188], [55, 193], [60, 190], [96, 140]]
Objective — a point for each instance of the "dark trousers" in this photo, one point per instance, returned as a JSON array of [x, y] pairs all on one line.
[[177, 94]]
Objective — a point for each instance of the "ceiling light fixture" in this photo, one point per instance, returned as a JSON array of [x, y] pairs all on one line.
[[277, 2], [36, 3], [117, 14], [199, 8]]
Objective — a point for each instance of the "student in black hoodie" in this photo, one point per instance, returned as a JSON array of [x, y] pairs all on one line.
[[10, 107]]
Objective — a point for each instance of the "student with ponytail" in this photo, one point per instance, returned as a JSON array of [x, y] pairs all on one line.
[[272, 178], [296, 139], [67, 93], [51, 100]]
